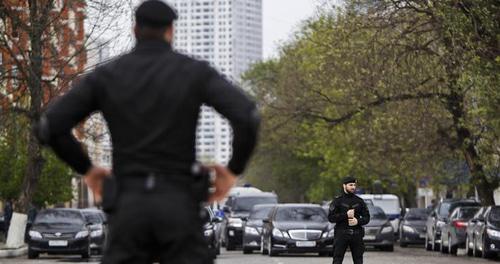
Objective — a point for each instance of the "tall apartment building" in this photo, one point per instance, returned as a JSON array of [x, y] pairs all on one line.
[[227, 34]]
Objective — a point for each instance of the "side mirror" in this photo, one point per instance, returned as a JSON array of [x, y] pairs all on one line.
[[225, 209], [266, 220], [217, 219], [244, 218]]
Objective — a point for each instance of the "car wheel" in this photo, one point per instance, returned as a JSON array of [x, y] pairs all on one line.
[[217, 251], [387, 248], [468, 249], [32, 254], [86, 254], [428, 246], [270, 250], [434, 244], [247, 250], [403, 244], [230, 246]]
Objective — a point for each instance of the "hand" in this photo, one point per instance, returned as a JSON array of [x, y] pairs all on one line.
[[94, 179], [350, 213], [224, 181], [353, 221]]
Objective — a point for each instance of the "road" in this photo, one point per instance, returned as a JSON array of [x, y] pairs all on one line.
[[411, 255]]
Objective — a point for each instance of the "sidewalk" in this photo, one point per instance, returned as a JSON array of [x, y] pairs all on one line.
[[12, 252]]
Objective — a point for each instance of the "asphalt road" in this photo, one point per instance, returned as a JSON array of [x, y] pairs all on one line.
[[411, 255]]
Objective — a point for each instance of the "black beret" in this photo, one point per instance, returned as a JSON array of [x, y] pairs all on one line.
[[154, 13], [349, 179]]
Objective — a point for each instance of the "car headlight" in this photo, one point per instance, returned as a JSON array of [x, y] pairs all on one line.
[[35, 234], [208, 232], [493, 233], [387, 229], [251, 230], [278, 233], [409, 229], [328, 234], [96, 233], [82, 234], [235, 222]]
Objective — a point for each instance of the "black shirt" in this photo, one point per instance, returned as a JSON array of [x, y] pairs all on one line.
[[338, 211], [151, 99]]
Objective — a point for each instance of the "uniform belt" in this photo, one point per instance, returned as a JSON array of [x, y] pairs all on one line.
[[351, 231]]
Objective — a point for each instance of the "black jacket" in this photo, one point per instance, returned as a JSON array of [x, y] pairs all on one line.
[[338, 211], [150, 99]]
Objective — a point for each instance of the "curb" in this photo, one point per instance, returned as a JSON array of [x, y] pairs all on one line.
[[12, 253]]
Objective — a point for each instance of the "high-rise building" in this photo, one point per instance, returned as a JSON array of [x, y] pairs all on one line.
[[227, 34]]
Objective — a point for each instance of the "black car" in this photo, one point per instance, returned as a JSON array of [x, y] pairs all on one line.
[[237, 208], [453, 234], [59, 231], [412, 227], [297, 228], [379, 232], [96, 220], [252, 227], [438, 217], [486, 238], [212, 230]]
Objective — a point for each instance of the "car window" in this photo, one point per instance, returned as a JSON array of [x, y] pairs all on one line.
[[467, 213], [245, 204], [377, 213], [495, 214], [62, 217], [301, 214], [93, 218], [260, 212], [416, 214]]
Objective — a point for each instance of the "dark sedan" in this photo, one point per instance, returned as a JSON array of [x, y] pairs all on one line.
[[96, 219], [472, 229], [297, 228], [453, 234], [59, 231], [486, 240], [379, 232], [412, 227], [252, 229]]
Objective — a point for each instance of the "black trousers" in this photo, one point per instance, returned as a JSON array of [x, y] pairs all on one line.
[[149, 226], [354, 241]]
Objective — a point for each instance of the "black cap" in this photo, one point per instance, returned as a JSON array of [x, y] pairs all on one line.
[[349, 179], [155, 14]]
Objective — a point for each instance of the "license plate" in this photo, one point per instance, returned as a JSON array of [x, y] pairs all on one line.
[[422, 235], [58, 243], [368, 237], [305, 243]]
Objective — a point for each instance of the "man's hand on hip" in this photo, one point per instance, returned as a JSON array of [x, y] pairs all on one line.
[[94, 180], [224, 181]]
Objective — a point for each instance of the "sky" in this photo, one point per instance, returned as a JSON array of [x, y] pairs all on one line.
[[281, 18]]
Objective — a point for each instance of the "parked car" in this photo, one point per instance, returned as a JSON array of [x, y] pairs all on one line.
[[438, 217], [212, 230], [252, 227], [297, 228], [59, 231], [453, 233], [472, 229], [412, 227], [389, 203], [379, 232], [96, 220], [486, 238], [236, 208]]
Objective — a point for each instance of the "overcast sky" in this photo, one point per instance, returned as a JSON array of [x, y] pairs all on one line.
[[281, 19]]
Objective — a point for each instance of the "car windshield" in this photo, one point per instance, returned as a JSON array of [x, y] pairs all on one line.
[[446, 208], [495, 215], [62, 217], [301, 214], [245, 204], [93, 218], [467, 213], [260, 212], [416, 214], [377, 213], [390, 206]]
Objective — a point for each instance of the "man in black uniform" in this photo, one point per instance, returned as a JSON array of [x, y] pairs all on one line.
[[151, 99], [350, 214]]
